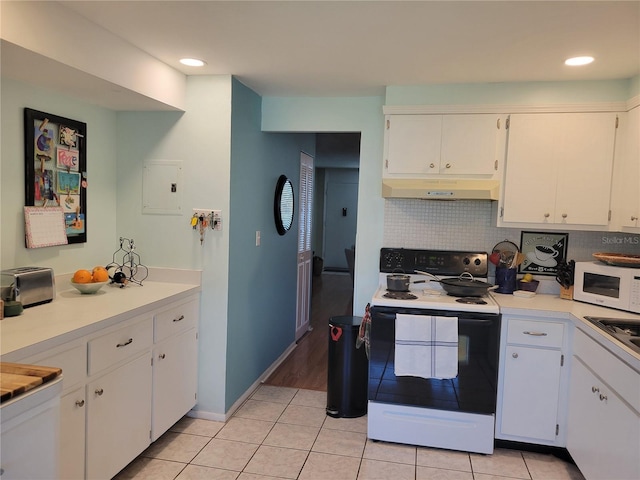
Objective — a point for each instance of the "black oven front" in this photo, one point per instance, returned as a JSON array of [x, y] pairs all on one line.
[[472, 391]]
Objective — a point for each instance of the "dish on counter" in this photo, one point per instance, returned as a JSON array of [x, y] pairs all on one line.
[[88, 288], [618, 259]]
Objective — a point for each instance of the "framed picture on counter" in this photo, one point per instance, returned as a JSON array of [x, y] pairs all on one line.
[[543, 251], [56, 168]]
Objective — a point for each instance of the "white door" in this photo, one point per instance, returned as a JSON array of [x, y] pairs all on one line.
[[303, 304]]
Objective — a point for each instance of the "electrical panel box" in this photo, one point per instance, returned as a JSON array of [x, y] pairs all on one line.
[[162, 187]]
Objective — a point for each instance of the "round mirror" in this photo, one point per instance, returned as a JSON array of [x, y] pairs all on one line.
[[283, 205]]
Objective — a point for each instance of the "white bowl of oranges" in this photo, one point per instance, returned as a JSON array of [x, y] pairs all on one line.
[[86, 281]]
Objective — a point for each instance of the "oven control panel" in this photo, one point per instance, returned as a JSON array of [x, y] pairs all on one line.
[[436, 262]]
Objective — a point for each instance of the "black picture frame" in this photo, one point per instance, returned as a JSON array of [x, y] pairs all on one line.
[[283, 205], [56, 158], [543, 252]]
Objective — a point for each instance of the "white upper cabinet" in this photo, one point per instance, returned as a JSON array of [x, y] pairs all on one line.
[[559, 168], [626, 192], [427, 145]]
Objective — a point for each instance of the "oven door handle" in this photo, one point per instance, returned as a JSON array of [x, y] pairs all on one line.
[[461, 321]]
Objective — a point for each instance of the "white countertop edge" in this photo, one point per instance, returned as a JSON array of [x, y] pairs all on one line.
[[554, 307], [155, 274], [71, 315]]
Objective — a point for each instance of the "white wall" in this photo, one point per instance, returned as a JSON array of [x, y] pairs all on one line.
[[101, 177], [55, 32], [200, 138]]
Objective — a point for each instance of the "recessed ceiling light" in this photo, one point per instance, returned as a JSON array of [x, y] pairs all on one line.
[[192, 62], [577, 61]]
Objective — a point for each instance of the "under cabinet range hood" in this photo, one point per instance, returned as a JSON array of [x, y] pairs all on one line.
[[440, 189]]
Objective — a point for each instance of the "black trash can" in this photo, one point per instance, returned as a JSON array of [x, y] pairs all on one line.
[[348, 369]]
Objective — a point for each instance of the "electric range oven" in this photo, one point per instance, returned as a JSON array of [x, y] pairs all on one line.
[[455, 411]]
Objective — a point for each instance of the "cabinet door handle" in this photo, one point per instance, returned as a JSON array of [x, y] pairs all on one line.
[[125, 343], [99, 391], [448, 165], [431, 165], [536, 334], [181, 317], [594, 389], [161, 356], [603, 398], [514, 355], [547, 215], [79, 403], [634, 218], [564, 215]]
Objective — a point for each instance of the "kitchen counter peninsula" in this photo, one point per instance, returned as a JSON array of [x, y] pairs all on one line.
[[135, 346], [72, 315]]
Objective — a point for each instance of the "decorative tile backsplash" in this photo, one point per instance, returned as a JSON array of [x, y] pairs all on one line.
[[471, 224]]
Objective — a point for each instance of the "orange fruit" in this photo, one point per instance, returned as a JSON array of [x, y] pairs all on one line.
[[99, 274], [82, 276]]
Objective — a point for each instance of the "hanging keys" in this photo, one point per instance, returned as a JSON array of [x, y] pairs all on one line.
[[194, 221], [202, 230]]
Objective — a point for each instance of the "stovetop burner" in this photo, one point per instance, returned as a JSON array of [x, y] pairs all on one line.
[[471, 300], [400, 295]]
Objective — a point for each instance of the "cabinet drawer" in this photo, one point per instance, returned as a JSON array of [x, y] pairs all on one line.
[[72, 361], [175, 319], [119, 345], [540, 334]]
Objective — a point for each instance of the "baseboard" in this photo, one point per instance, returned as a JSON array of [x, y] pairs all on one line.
[[243, 398]]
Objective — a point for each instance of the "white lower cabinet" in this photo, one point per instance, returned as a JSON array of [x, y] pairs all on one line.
[[175, 381], [72, 434], [118, 417], [530, 381], [123, 386], [530, 403], [604, 427], [30, 432]]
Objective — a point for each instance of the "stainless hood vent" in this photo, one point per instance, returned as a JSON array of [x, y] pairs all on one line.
[[441, 189]]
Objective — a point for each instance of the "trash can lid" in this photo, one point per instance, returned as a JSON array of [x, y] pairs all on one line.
[[347, 320]]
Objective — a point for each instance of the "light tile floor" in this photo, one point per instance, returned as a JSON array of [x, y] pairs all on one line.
[[284, 433]]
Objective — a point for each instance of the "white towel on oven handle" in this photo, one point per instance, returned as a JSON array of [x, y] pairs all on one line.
[[426, 346]]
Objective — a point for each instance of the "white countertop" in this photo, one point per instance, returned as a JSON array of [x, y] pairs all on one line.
[[72, 315], [552, 306]]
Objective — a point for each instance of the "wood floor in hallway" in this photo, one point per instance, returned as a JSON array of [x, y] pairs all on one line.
[[306, 366]]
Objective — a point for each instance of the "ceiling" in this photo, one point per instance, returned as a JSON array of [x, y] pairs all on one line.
[[355, 48], [352, 48]]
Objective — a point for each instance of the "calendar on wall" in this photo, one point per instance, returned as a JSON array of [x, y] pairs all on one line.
[[55, 177], [44, 227]]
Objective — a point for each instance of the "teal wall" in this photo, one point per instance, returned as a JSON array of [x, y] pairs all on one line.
[[101, 176], [262, 280]]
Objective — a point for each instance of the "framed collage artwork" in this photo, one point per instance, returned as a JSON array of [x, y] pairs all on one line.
[[56, 168]]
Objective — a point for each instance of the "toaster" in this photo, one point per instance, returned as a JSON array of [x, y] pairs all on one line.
[[27, 285]]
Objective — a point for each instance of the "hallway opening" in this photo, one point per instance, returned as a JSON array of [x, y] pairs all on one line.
[[306, 366]]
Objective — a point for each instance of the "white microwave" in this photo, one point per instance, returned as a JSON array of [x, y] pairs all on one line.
[[607, 286]]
